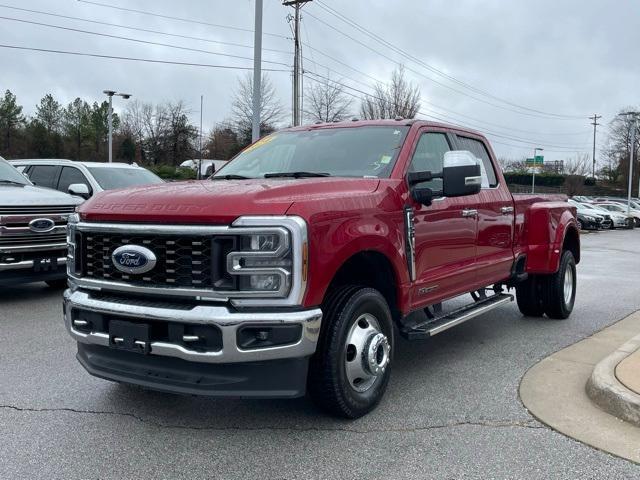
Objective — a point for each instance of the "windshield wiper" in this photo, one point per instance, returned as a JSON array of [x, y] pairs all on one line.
[[230, 176], [12, 182], [296, 175]]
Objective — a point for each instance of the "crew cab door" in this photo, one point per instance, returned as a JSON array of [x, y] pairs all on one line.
[[445, 231], [494, 244]]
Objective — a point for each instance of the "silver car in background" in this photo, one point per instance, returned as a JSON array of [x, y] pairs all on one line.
[[33, 222], [84, 179]]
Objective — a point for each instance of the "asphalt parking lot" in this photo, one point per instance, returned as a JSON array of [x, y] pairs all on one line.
[[451, 411]]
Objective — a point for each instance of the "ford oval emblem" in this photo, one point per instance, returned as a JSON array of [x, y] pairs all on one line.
[[133, 259], [41, 225]]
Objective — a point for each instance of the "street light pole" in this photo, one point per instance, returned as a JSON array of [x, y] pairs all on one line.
[[634, 127], [110, 117], [533, 180], [257, 72], [110, 94]]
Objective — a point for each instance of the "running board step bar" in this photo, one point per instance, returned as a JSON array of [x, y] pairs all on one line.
[[433, 326]]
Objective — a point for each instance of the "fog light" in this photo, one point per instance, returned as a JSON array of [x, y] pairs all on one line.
[[264, 283]]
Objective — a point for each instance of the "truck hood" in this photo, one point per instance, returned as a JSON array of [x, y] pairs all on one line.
[[30, 195], [216, 202]]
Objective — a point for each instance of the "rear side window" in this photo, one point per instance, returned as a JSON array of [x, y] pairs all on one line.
[[480, 151], [429, 157], [69, 176], [44, 175]]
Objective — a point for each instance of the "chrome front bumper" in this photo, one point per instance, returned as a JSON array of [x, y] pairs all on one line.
[[226, 320]]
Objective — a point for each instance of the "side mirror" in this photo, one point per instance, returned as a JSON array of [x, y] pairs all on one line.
[[79, 190], [461, 174]]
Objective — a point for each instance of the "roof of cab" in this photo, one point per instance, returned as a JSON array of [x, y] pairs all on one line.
[[384, 123]]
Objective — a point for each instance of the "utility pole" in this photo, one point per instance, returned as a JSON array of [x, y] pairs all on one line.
[[533, 180], [199, 176], [110, 94], [257, 72], [634, 127], [297, 58], [595, 123]]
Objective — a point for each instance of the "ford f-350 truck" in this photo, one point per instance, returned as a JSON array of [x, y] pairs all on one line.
[[296, 266]]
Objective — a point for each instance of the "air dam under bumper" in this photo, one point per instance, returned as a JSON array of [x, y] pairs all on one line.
[[226, 371]]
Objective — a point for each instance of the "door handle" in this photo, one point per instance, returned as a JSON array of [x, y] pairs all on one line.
[[469, 213], [506, 210]]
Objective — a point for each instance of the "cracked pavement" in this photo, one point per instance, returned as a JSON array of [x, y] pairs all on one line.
[[451, 411]]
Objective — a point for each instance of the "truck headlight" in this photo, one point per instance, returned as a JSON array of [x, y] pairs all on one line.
[[268, 259], [73, 260]]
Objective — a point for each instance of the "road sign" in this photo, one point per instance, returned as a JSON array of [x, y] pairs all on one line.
[[537, 160]]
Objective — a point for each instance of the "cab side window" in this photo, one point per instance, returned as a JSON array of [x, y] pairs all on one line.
[[489, 178], [44, 175], [429, 157], [69, 176]]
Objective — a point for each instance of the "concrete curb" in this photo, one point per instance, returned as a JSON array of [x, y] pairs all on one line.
[[606, 391]]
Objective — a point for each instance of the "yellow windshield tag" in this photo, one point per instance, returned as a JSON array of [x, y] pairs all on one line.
[[260, 142]]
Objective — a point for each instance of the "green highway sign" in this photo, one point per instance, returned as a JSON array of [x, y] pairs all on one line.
[[537, 160]]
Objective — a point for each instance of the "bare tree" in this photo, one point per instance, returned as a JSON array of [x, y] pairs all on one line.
[[578, 165], [163, 131], [618, 148], [576, 169], [398, 98], [326, 101], [271, 111]]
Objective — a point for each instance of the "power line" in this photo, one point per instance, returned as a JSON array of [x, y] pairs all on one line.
[[179, 19], [431, 68], [139, 29], [444, 118], [429, 102], [137, 40], [135, 59], [444, 85]]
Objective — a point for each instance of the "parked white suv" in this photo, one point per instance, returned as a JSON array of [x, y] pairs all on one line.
[[84, 178]]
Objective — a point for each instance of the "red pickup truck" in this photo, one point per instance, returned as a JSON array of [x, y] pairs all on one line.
[[296, 266]]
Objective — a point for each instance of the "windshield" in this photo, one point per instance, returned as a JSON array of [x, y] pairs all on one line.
[[9, 174], [614, 207], [343, 152], [111, 178]]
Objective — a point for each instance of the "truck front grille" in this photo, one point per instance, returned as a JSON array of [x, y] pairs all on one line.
[[33, 239], [37, 210], [182, 261]]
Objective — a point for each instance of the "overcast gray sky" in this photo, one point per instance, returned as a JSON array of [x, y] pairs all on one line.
[[569, 58]]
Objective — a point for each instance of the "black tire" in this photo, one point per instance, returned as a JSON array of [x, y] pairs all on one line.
[[328, 383], [580, 225], [556, 303], [60, 283], [529, 296]]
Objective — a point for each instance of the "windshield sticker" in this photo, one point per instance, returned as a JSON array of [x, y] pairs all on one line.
[[260, 142], [385, 159]]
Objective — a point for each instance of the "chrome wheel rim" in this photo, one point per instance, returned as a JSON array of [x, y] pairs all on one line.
[[568, 285], [367, 353]]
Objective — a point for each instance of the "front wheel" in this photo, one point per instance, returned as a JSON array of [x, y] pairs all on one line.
[[350, 370], [560, 292]]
